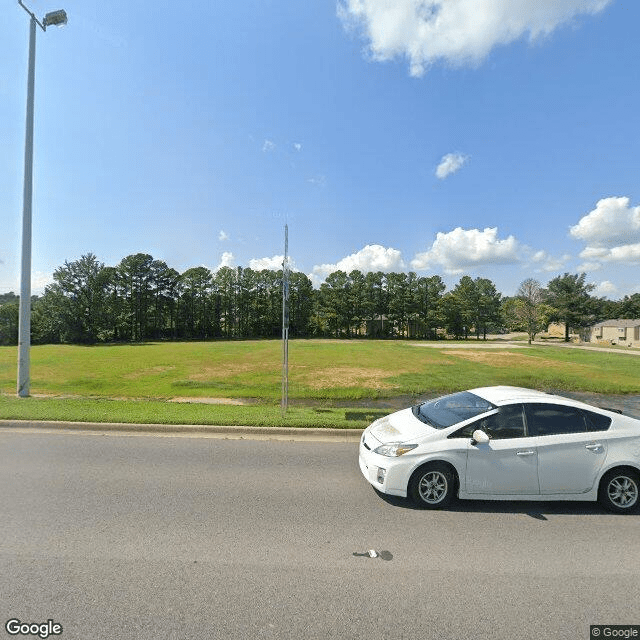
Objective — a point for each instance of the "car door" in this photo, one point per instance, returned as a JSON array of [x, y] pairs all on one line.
[[570, 449], [508, 463]]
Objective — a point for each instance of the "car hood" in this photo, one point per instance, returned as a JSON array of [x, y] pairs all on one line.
[[400, 426]]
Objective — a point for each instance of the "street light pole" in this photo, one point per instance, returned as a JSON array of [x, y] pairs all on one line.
[[24, 330], [24, 326]]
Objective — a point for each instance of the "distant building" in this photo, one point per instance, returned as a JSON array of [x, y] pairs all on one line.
[[624, 332], [556, 330]]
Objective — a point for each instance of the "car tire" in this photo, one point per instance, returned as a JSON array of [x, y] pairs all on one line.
[[432, 486], [619, 490]]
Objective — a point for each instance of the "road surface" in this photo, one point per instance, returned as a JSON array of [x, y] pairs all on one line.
[[136, 537]]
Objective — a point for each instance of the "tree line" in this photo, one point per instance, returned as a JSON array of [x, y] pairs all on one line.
[[143, 299]]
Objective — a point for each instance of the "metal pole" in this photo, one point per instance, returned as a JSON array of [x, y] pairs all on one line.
[[24, 330], [285, 323]]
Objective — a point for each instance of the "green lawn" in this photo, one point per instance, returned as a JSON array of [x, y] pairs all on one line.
[[101, 383], [159, 412]]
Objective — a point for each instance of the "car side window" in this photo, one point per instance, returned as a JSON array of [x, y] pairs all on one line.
[[596, 421], [508, 422], [465, 432], [553, 419]]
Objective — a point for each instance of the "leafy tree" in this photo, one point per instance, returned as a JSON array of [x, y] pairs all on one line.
[[375, 303], [512, 316], [76, 302], [225, 283], [135, 281], [628, 307], [301, 303], [268, 302], [466, 298], [357, 304], [9, 298], [487, 312], [569, 296], [452, 315], [196, 284], [428, 295], [334, 303], [9, 313], [531, 296], [398, 300], [165, 292]]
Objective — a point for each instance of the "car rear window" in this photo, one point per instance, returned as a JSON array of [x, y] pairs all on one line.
[[449, 410]]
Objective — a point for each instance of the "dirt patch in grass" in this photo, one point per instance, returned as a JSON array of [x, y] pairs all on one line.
[[222, 371], [473, 344], [346, 377], [504, 359], [230, 401]]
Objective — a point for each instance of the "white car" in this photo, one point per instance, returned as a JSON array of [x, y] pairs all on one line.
[[504, 443]]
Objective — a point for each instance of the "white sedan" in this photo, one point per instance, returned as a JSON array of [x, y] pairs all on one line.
[[505, 443]]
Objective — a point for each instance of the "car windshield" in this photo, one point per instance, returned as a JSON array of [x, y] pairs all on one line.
[[449, 410]]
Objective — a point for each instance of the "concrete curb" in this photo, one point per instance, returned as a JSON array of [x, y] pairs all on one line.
[[211, 431]]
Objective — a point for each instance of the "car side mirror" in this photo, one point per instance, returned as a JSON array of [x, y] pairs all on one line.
[[479, 437]]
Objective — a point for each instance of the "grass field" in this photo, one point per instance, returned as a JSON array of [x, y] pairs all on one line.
[[141, 383]]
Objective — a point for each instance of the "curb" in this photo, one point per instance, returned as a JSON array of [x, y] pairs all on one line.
[[212, 431]]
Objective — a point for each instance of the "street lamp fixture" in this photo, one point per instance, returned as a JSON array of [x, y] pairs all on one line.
[[54, 18]]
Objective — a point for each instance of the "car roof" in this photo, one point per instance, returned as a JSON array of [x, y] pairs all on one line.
[[508, 395]]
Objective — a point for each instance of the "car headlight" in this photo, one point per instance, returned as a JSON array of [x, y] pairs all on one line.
[[394, 449]]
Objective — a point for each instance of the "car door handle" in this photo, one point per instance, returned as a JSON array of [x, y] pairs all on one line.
[[593, 447], [528, 452]]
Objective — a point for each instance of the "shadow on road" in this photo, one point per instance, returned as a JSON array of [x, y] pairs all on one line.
[[535, 510]]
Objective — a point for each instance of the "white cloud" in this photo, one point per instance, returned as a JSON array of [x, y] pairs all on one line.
[[626, 254], [458, 32], [373, 257], [297, 146], [612, 222], [611, 231], [223, 235], [449, 164], [463, 248], [605, 289], [547, 262], [594, 253], [39, 281], [588, 266], [274, 263], [268, 145], [226, 260]]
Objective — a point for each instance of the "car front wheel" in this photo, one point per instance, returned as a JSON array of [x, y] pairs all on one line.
[[432, 486], [619, 490]]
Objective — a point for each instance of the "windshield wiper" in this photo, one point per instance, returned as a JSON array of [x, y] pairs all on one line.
[[418, 414]]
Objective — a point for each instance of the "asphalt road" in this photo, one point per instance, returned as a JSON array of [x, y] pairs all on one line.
[[152, 536]]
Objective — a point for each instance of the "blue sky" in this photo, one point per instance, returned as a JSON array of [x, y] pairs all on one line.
[[498, 139]]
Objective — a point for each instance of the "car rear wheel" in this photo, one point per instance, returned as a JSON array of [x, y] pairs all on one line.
[[432, 486], [619, 490]]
